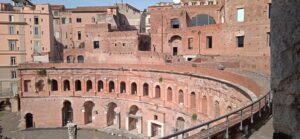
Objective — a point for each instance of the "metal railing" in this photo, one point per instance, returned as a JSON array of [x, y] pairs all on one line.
[[223, 123]]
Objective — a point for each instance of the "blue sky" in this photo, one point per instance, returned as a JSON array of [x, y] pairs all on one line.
[[140, 4]]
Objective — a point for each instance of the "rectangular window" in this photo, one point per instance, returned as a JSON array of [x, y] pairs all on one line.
[[175, 23], [240, 14], [27, 85], [78, 20], [12, 45], [13, 74], [11, 18], [190, 43], [96, 45], [36, 31], [11, 30], [12, 61], [70, 20], [55, 13], [63, 20], [240, 41], [37, 47], [269, 10], [79, 35], [269, 39], [209, 41], [36, 20]]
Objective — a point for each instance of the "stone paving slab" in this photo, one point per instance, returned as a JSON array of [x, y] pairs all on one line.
[[265, 132]]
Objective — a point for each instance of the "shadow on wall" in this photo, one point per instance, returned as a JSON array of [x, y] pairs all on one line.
[[144, 43]]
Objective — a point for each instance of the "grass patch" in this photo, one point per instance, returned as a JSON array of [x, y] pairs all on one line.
[[2, 113]]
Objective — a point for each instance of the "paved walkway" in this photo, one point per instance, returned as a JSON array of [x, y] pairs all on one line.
[[265, 132], [9, 128]]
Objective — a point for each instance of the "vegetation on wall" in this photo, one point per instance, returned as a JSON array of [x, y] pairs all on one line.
[[160, 79], [194, 117], [42, 72]]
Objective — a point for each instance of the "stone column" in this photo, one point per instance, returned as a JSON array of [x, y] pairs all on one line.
[[285, 51], [117, 117], [72, 130]]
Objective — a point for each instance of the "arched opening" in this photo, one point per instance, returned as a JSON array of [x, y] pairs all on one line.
[[67, 113], [123, 87], [204, 105], [70, 59], [180, 124], [111, 87], [111, 114], [132, 120], [201, 20], [80, 59], [100, 86], [169, 94], [89, 85], [66, 85], [54, 85], [88, 112], [193, 100], [175, 44], [145, 89], [180, 97], [217, 109], [175, 23], [157, 91], [77, 85], [40, 85], [133, 88], [29, 120], [5, 105]]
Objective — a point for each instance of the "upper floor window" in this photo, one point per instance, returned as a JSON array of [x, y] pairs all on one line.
[[78, 20], [93, 19], [96, 45], [36, 20], [79, 35], [190, 43], [12, 45], [240, 14], [63, 20], [55, 13], [269, 10], [13, 74], [11, 18], [240, 41], [13, 61], [36, 30], [70, 20], [175, 23], [11, 29], [269, 39], [209, 41]]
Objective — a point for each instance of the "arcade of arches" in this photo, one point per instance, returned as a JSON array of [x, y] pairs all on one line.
[[150, 103]]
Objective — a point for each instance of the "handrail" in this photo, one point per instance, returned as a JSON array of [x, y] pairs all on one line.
[[183, 132]]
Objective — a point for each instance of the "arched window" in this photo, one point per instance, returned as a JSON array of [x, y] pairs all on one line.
[[193, 100], [67, 113], [100, 86], [180, 124], [217, 109], [69, 59], [80, 59], [77, 85], [54, 85], [175, 43], [29, 120], [111, 87], [157, 91], [66, 85], [133, 88], [88, 112], [40, 85], [201, 19], [204, 105], [145, 89], [169, 94], [123, 87], [89, 85], [175, 23], [180, 97], [133, 122]]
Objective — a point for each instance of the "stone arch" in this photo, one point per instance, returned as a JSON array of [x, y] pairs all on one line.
[[67, 113], [66, 84], [193, 100], [180, 97], [5, 104], [70, 59], [180, 123], [169, 94], [89, 85], [133, 88], [217, 109], [145, 89], [123, 87], [88, 112], [111, 114], [133, 111], [100, 86], [175, 44], [201, 20], [54, 85], [77, 85], [157, 91], [80, 59], [204, 105], [111, 86], [29, 120]]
